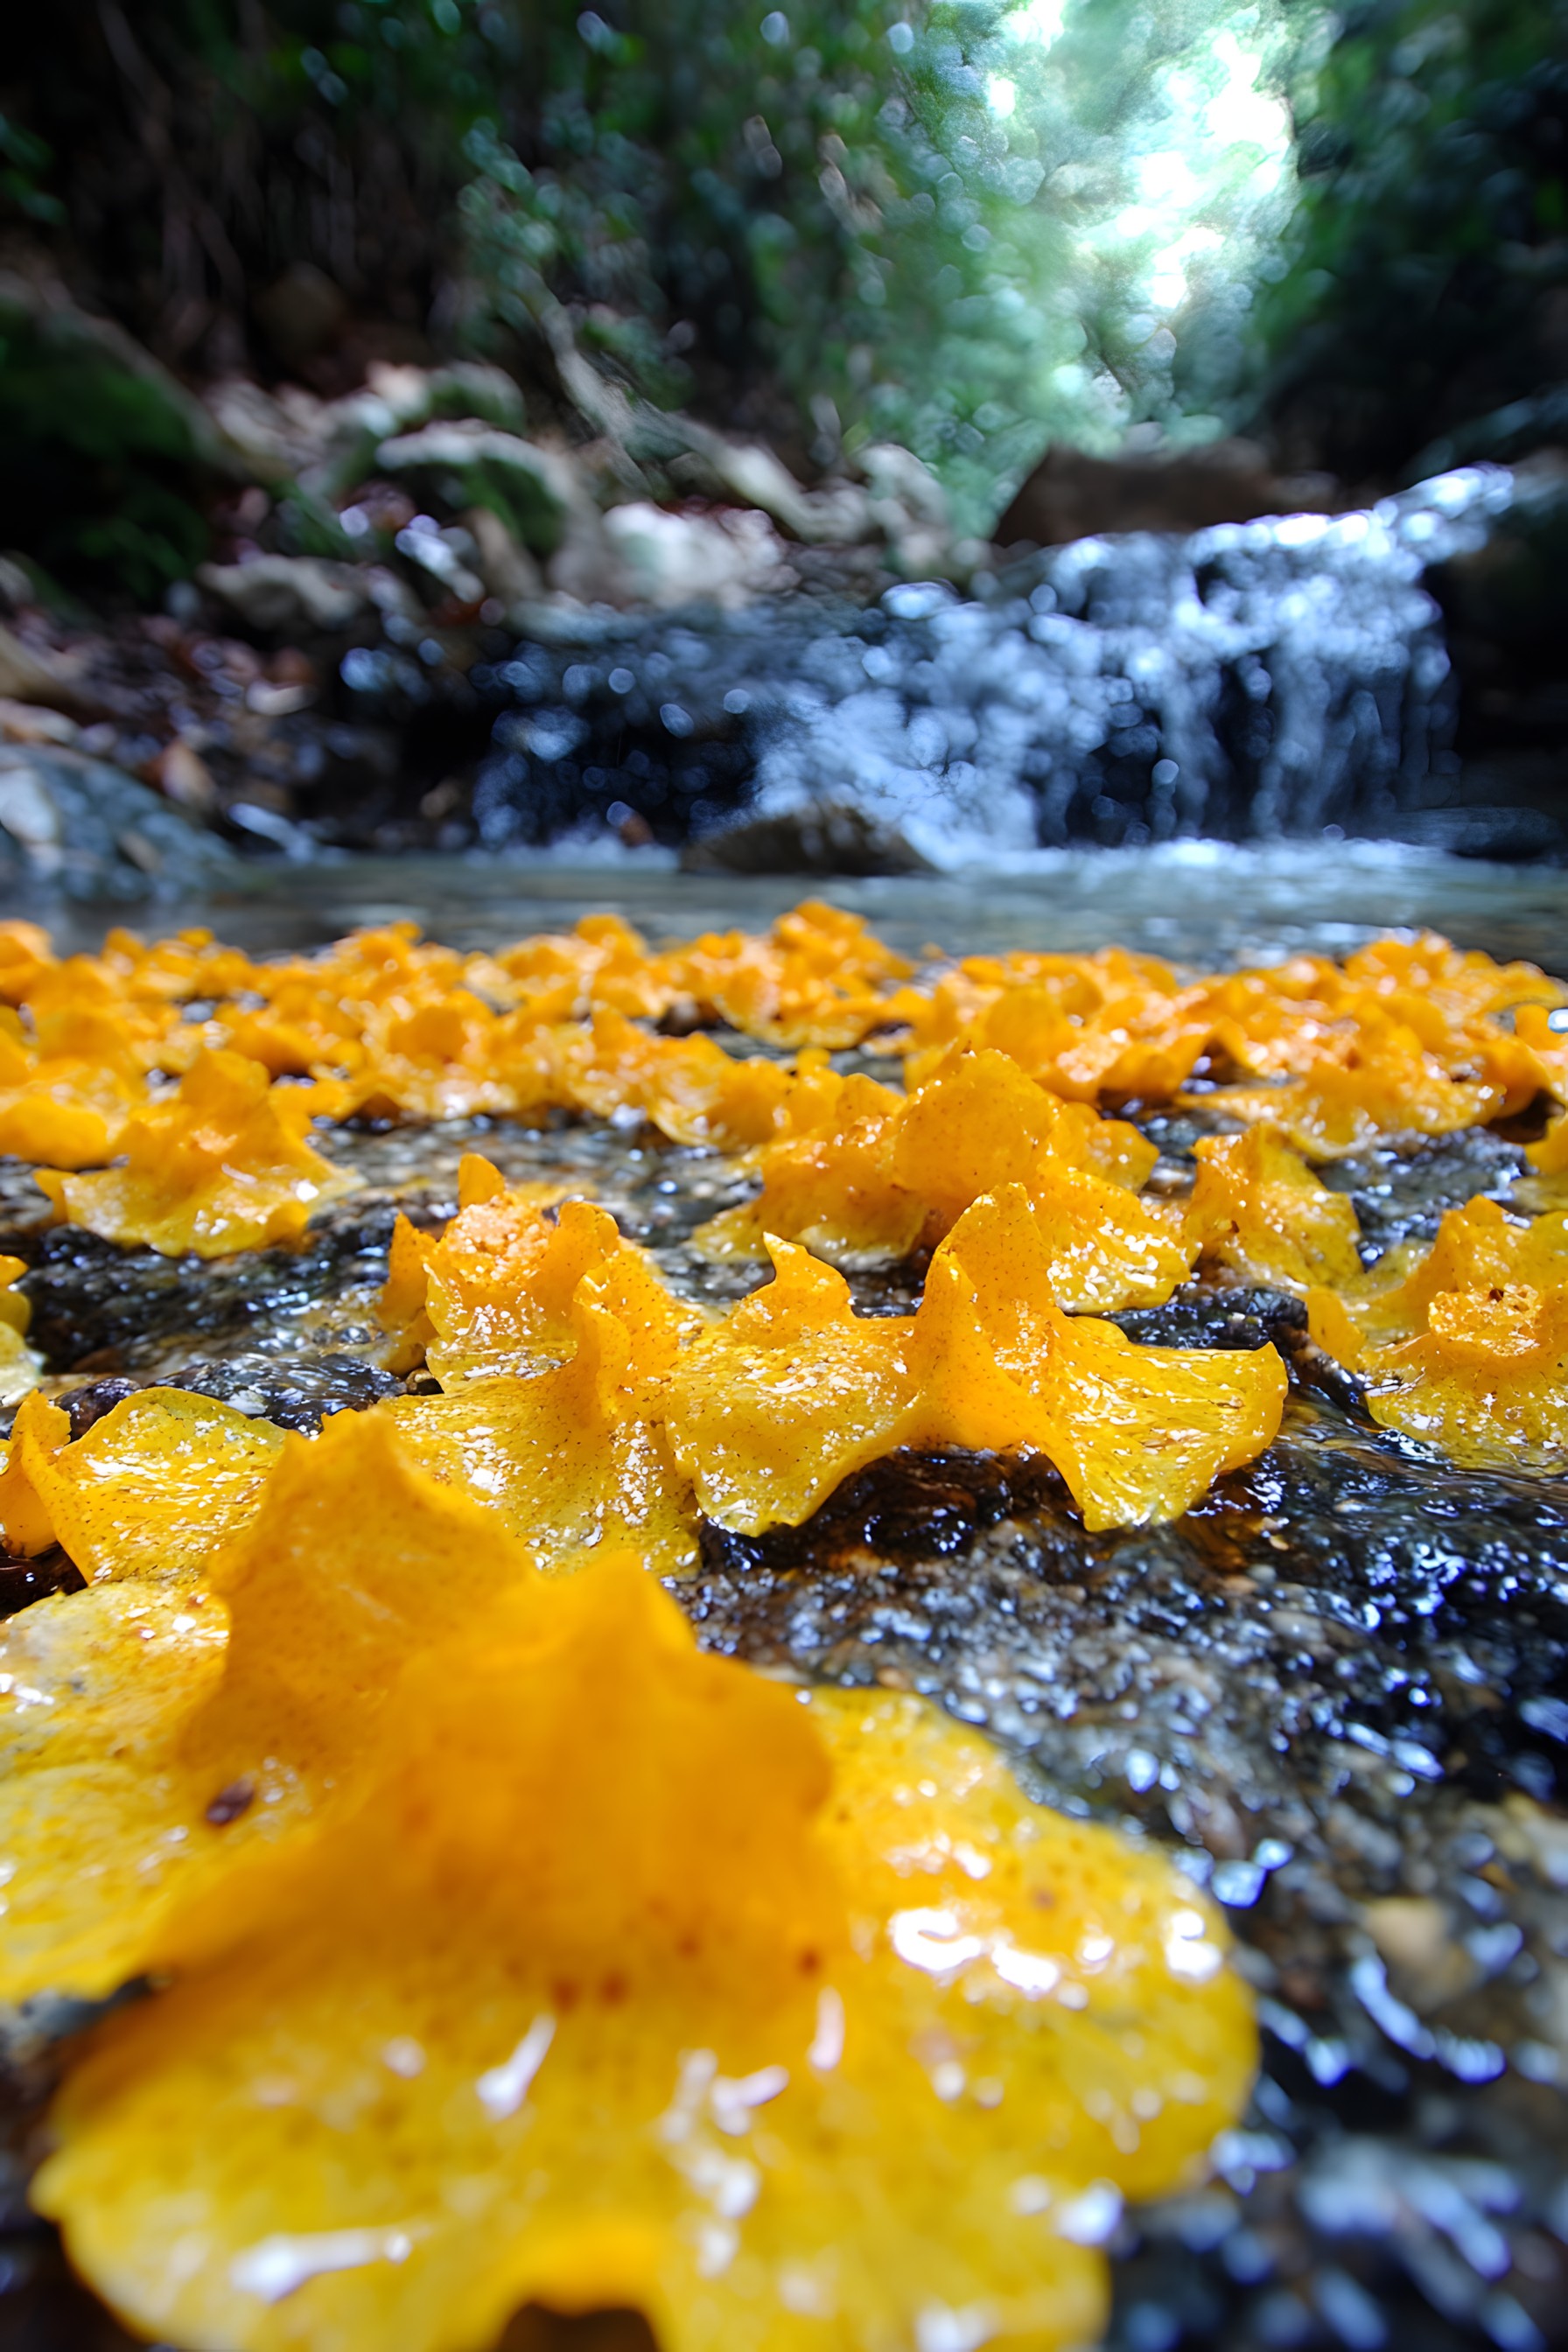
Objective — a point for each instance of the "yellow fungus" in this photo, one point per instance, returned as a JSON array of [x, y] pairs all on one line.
[[151, 1490], [1487, 1381], [631, 1979], [223, 1166], [143, 1753], [1138, 1432], [1378, 1078], [867, 1175], [572, 1457], [1107, 1249], [794, 1392], [500, 1281], [1258, 1208], [67, 1101], [1476, 1248], [831, 1182], [37, 1434]]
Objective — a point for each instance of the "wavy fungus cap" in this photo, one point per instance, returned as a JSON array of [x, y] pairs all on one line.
[[634, 1978]]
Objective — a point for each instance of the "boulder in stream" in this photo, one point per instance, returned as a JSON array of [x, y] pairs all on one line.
[[1071, 495], [86, 829]]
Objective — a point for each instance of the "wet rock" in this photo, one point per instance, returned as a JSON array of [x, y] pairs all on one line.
[[469, 463], [820, 836], [290, 595], [102, 1309], [672, 560], [86, 1406], [298, 1392], [29, 674], [23, 1582], [1506, 606], [1071, 495], [89, 831]]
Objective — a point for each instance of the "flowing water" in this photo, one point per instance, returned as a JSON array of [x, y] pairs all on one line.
[[1254, 681]]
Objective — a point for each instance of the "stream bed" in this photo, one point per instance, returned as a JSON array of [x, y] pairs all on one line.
[[1337, 1690]]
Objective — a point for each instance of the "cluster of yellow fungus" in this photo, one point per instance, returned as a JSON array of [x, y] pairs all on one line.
[[1464, 1344], [511, 1948], [169, 1093], [761, 1411], [1404, 1037]]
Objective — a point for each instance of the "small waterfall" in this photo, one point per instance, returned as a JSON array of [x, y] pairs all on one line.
[[1254, 681]]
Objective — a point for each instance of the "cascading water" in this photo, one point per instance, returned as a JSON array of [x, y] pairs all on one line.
[[1253, 681]]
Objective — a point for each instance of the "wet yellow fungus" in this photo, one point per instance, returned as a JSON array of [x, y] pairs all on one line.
[[1487, 1379], [19, 1365], [142, 1751], [97, 1815], [1476, 1247], [1107, 1249], [151, 1491], [978, 1121], [444, 1055], [222, 1166], [1464, 1344], [400, 1303], [498, 1285], [66, 1104], [1258, 1208], [687, 1087], [574, 1456], [829, 1182], [818, 979], [37, 1434], [1008, 1061], [793, 1391], [790, 1393], [866, 1174], [25, 954], [1138, 1432], [1376, 1078], [631, 1978]]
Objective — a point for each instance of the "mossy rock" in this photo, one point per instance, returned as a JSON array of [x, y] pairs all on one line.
[[104, 458]]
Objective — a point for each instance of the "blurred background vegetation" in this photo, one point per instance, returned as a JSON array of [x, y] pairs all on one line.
[[973, 229]]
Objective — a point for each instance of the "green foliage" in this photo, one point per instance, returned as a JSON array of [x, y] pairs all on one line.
[[812, 224], [829, 223], [1427, 277], [866, 221], [98, 471], [24, 160]]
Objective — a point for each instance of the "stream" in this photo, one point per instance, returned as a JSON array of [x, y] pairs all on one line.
[[1253, 682]]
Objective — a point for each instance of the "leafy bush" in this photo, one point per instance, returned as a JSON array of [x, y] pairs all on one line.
[[101, 472], [1427, 261], [831, 222]]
